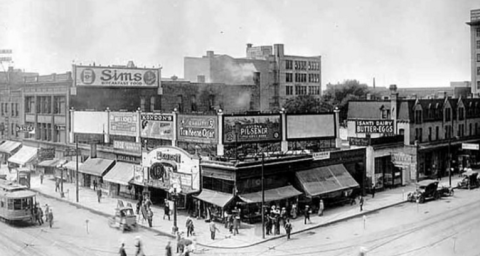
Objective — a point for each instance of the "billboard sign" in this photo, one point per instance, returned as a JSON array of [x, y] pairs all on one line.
[[470, 146], [111, 76], [6, 51], [257, 128], [123, 123], [374, 126], [90, 122], [202, 129], [310, 126], [127, 146], [157, 126]]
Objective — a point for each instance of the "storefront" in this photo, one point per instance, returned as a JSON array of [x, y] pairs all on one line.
[[92, 170], [168, 167], [118, 180], [8, 148], [54, 166], [215, 203]]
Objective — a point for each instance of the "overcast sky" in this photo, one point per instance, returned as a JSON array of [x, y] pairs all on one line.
[[409, 43]]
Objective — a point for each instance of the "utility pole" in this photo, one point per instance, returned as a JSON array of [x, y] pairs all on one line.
[[263, 198], [76, 167]]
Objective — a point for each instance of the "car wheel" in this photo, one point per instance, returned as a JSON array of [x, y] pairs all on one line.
[[421, 200]]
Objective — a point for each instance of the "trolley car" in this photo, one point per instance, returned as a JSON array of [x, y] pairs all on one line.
[[16, 202]]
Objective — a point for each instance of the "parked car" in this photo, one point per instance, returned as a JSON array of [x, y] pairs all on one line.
[[469, 180], [426, 189]]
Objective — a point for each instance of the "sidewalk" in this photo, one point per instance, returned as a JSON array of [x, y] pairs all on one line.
[[249, 234]]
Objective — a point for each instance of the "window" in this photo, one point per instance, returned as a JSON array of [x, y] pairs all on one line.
[[429, 133], [288, 77], [478, 57], [317, 90], [461, 130], [2, 110], [448, 114], [437, 131], [211, 102], [193, 106], [300, 90], [476, 128], [152, 103], [478, 84], [300, 65], [313, 78], [288, 64], [6, 109], [289, 90], [478, 32], [56, 137], [461, 114], [313, 65], [311, 90], [180, 103], [478, 44], [478, 71], [418, 134], [142, 104], [59, 105], [470, 129], [418, 116], [300, 78]]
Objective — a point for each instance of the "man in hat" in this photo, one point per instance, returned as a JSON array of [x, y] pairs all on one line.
[[168, 249], [213, 229], [288, 228], [121, 251], [307, 214], [50, 217], [321, 207]]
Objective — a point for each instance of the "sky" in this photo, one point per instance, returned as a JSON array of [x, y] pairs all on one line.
[[423, 43]]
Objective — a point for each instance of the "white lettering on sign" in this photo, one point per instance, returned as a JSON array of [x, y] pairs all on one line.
[[374, 126], [321, 155], [470, 146]]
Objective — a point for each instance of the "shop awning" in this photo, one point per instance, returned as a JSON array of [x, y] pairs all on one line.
[[72, 165], [271, 195], [215, 197], [9, 146], [327, 179], [121, 173], [51, 163], [96, 166], [24, 155]]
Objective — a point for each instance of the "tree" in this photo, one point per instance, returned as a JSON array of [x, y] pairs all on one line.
[[340, 94], [306, 104]]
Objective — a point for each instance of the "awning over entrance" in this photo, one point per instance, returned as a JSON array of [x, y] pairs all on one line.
[[215, 197], [96, 166], [327, 179], [121, 173], [72, 165], [271, 195], [24, 155], [9, 146], [52, 163]]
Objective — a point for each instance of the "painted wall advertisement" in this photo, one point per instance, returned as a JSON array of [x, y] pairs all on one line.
[[374, 126], [157, 126], [123, 123], [252, 128], [202, 129], [107, 76]]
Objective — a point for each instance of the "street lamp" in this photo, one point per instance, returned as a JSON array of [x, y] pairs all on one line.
[[174, 191]]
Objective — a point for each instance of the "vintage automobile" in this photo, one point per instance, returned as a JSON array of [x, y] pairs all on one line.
[[124, 219], [469, 180], [426, 189]]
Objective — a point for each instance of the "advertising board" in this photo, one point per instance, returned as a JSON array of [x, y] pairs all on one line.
[[310, 126], [127, 145], [157, 126], [111, 76], [257, 128], [91, 122], [202, 129], [374, 126], [123, 123]]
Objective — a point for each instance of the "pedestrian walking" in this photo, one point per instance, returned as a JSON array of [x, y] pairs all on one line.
[[288, 228], [321, 207], [41, 178], [373, 190], [360, 202], [57, 184], [99, 194], [168, 249], [139, 247], [39, 215], [189, 226], [149, 217], [277, 224], [179, 245], [47, 209], [94, 184], [268, 224], [213, 229], [121, 251], [50, 218], [307, 214], [166, 210], [236, 225], [225, 218]]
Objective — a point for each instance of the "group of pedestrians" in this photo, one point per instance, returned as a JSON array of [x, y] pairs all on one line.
[[138, 247], [232, 221], [144, 210], [38, 214]]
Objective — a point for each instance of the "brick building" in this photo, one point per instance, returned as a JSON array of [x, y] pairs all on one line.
[[475, 49], [278, 75]]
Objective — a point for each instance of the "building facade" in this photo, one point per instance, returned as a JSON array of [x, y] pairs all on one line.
[[474, 24], [279, 76]]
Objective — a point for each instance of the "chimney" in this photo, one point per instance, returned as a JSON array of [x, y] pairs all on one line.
[[210, 54], [278, 50], [374, 83], [249, 46]]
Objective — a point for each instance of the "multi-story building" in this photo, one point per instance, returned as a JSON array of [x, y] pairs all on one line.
[[410, 139], [279, 76], [475, 49]]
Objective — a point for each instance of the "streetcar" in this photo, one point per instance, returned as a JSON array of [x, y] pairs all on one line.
[[16, 202]]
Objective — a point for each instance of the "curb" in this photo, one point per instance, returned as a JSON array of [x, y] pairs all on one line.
[[306, 229], [99, 212]]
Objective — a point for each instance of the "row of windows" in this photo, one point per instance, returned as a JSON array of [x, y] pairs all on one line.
[[302, 90], [302, 78], [44, 105], [5, 109], [43, 131], [302, 65], [478, 44], [448, 132], [432, 113]]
